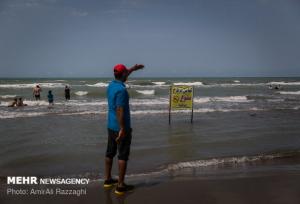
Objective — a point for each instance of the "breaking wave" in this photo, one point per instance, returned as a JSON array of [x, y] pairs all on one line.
[[146, 92], [8, 96], [159, 83], [283, 83], [290, 92], [81, 93], [99, 84], [196, 83], [235, 161], [42, 85]]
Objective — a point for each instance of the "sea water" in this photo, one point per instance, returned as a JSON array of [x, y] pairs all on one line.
[[236, 121]]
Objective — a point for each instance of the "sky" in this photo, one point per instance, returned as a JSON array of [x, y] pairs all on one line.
[[172, 38]]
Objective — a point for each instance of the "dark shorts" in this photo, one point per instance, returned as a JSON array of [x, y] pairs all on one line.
[[123, 146], [37, 97]]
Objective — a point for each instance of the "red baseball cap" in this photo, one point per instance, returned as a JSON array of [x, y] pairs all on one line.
[[120, 68]]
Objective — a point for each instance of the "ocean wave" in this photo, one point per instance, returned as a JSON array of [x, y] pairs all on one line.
[[17, 114], [32, 85], [290, 92], [28, 102], [36, 103], [137, 102], [202, 99], [159, 83], [236, 84], [283, 83], [146, 92], [82, 103], [233, 99], [230, 160], [196, 83], [10, 115], [160, 101], [8, 96], [99, 84], [81, 93], [236, 81], [181, 167]]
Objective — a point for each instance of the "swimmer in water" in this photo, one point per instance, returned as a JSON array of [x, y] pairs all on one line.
[[37, 92], [14, 103], [50, 98]]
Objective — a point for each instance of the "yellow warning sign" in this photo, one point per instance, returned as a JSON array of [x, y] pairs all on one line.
[[181, 97]]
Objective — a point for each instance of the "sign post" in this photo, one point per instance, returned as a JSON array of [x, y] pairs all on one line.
[[181, 98]]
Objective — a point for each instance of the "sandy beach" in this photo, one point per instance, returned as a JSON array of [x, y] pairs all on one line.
[[274, 188]]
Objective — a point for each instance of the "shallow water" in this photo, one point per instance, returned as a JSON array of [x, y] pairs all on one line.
[[234, 118]]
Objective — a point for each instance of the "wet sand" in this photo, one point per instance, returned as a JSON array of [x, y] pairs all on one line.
[[276, 188]]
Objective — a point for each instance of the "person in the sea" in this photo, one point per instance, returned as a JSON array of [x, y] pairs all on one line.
[[13, 103], [119, 128], [67, 92], [37, 92], [50, 97], [20, 102]]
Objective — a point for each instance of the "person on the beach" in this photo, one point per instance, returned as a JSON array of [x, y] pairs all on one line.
[[67, 92], [13, 103], [50, 97], [37, 92], [119, 127], [20, 102]]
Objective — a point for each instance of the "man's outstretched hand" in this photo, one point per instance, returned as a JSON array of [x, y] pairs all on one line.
[[136, 67]]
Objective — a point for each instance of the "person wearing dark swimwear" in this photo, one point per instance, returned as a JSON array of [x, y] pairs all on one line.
[[37, 92], [67, 92]]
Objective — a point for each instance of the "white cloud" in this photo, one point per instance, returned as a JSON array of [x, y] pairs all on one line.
[[25, 4], [80, 13]]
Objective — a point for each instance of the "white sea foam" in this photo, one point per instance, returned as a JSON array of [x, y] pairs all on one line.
[[42, 85], [202, 99], [159, 83], [290, 92], [236, 81], [234, 84], [28, 102], [9, 114], [221, 161], [81, 93], [283, 83], [84, 113], [8, 96], [16, 114], [99, 84], [233, 99], [159, 101], [237, 99], [36, 103], [196, 83], [275, 100], [146, 92], [82, 103], [182, 167]]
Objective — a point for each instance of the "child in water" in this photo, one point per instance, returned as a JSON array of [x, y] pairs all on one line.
[[50, 97]]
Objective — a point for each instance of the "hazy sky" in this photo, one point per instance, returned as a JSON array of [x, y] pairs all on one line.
[[85, 38]]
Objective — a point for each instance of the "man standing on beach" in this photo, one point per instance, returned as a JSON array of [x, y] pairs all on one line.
[[37, 92], [119, 127]]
